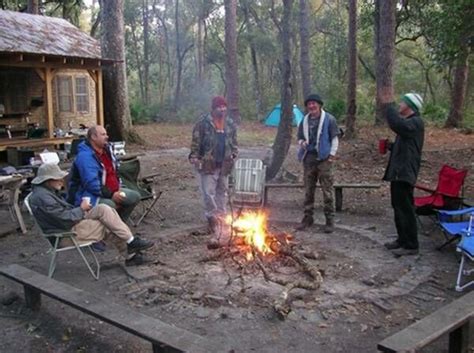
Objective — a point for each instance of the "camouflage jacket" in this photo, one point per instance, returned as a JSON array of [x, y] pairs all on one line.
[[204, 141]]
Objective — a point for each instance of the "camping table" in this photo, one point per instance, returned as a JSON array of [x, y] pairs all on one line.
[[9, 196]]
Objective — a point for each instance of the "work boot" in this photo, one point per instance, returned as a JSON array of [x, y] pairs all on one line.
[[306, 222], [329, 227], [402, 252], [392, 245], [139, 244]]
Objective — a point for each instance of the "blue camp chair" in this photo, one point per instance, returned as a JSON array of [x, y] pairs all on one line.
[[466, 248], [453, 223]]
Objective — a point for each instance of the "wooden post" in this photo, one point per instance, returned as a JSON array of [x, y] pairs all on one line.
[[338, 192], [459, 339], [99, 98], [49, 101], [32, 297]]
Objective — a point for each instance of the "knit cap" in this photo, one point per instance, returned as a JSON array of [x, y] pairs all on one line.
[[218, 101], [313, 97], [414, 101]]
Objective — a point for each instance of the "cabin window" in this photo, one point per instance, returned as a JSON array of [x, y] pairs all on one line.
[[82, 94], [64, 88], [14, 91]]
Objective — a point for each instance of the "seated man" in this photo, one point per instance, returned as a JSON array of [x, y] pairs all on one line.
[[94, 175], [54, 214]]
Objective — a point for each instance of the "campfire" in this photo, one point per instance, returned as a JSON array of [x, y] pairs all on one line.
[[250, 233]]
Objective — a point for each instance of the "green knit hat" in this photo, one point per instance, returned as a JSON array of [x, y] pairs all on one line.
[[414, 101]]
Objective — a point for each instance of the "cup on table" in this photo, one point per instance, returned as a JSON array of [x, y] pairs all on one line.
[[87, 199], [383, 146]]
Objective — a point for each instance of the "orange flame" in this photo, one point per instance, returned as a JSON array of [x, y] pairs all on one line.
[[251, 227]]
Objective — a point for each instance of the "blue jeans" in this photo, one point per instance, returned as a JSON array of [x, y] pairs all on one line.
[[214, 191], [125, 209]]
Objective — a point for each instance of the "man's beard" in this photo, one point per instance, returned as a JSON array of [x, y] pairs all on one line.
[[218, 114]]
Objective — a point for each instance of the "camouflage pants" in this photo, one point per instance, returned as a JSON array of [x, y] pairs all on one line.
[[321, 171]]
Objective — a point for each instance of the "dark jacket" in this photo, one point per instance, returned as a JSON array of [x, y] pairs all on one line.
[[52, 212], [204, 142], [88, 175], [405, 156]]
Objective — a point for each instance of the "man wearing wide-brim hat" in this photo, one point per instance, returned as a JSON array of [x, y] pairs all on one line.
[[54, 215], [403, 167]]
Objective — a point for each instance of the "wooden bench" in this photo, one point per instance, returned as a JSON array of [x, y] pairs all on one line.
[[337, 190], [163, 337], [453, 318]]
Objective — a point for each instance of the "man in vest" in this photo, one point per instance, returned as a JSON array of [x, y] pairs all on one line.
[[318, 139]]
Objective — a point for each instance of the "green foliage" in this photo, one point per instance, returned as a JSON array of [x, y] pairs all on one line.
[[435, 113], [336, 107]]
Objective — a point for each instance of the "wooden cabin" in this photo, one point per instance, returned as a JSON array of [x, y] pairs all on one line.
[[50, 76]]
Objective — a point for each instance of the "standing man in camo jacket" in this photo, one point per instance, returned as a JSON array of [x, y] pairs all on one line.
[[213, 151], [318, 139]]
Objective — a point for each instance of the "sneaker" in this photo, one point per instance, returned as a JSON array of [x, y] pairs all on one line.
[[329, 227], [306, 222], [392, 245], [137, 260], [98, 246], [403, 252], [139, 244]]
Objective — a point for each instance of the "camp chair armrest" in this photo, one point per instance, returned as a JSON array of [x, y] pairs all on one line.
[[424, 188], [60, 235], [456, 212]]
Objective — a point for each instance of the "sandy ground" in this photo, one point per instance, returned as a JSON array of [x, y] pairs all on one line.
[[366, 294]]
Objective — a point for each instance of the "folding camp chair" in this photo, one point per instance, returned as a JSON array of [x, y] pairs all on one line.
[[466, 248], [248, 183], [453, 223], [54, 240], [446, 196], [129, 173]]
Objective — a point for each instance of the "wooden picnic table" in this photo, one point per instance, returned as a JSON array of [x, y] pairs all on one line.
[[10, 195]]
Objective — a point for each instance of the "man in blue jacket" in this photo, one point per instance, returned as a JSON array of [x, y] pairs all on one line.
[[318, 139], [94, 175], [403, 167]]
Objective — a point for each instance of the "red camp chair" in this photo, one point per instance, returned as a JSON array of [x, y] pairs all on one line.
[[446, 196]]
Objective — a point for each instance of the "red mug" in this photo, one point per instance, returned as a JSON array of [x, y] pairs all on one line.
[[383, 146]]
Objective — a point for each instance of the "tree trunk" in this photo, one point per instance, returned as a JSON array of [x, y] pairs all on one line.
[[305, 63], [385, 50], [352, 71], [116, 108], [179, 70], [232, 72], [146, 56], [282, 141], [458, 92], [256, 82], [33, 7]]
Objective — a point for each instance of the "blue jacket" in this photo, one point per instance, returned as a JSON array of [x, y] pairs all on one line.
[[88, 175]]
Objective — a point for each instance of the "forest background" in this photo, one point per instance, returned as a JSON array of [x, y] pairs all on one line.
[[176, 54]]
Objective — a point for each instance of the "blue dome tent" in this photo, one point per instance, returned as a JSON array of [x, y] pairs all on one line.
[[273, 118]]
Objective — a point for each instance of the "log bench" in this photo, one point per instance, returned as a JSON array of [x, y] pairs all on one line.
[[337, 189], [163, 337], [453, 318]]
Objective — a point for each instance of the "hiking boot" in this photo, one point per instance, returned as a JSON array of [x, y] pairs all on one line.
[[404, 252], [392, 245], [137, 260], [139, 244], [306, 222], [329, 227]]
